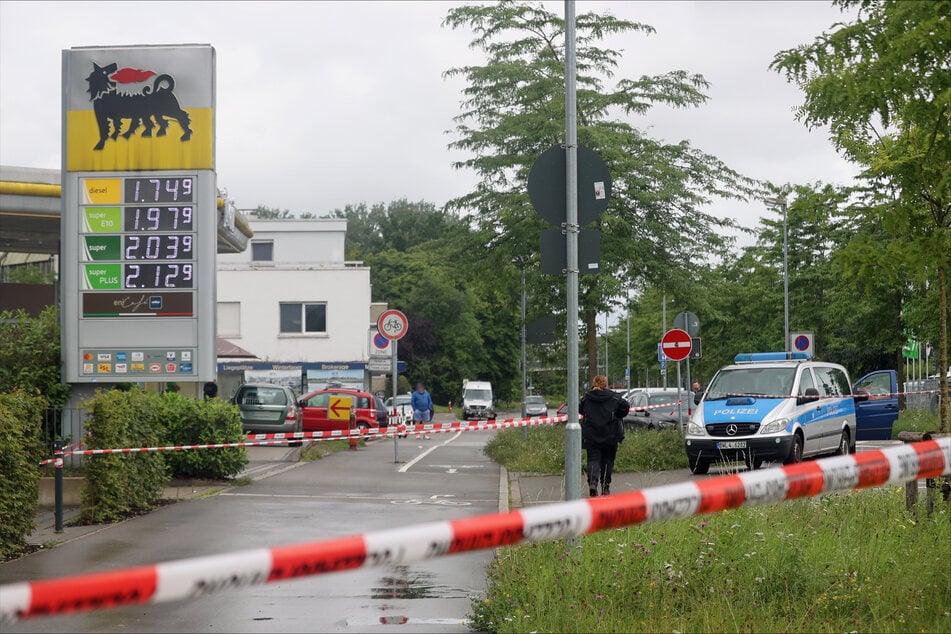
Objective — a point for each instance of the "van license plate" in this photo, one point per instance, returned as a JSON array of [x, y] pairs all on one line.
[[731, 444]]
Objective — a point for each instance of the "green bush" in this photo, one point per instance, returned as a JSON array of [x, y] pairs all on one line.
[[118, 485], [21, 449], [188, 421], [30, 355]]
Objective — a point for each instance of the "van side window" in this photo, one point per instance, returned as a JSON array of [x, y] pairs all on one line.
[[879, 385], [833, 382], [806, 382]]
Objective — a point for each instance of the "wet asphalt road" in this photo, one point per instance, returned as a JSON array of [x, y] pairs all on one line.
[[444, 477]]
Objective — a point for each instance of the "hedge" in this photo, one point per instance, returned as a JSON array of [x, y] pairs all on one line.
[[21, 449], [118, 485], [188, 421]]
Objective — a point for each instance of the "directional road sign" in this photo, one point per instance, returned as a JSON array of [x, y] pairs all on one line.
[[676, 344], [392, 324], [339, 408]]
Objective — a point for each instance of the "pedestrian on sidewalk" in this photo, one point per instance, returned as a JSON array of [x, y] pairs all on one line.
[[601, 431], [422, 404]]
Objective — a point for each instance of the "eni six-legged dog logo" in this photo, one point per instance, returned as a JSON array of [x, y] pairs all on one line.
[[154, 105]]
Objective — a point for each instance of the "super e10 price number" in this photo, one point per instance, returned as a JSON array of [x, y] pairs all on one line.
[[145, 219]]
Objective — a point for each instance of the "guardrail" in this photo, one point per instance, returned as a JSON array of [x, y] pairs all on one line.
[[196, 577]]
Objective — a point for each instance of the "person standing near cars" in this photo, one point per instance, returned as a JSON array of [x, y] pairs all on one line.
[[422, 404], [601, 431]]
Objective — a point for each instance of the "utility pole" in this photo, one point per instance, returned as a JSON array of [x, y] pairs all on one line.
[[573, 427]]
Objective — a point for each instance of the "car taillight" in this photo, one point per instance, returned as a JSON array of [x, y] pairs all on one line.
[[291, 413]]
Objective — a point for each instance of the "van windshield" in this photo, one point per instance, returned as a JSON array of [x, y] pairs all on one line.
[[752, 381], [478, 395]]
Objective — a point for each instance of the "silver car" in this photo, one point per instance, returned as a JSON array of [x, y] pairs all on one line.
[[268, 408], [534, 406]]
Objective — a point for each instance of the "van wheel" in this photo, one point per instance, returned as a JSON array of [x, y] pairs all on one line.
[[698, 466], [845, 446], [795, 453], [753, 463]]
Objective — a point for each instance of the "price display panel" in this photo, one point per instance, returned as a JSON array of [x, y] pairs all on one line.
[[141, 240]]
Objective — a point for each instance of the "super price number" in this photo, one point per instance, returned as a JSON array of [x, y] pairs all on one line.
[[159, 247]]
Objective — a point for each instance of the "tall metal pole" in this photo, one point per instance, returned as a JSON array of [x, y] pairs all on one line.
[[663, 314], [786, 345], [572, 428], [524, 372], [607, 375], [627, 361]]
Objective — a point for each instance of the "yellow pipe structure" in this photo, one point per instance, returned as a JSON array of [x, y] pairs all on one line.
[[45, 190]]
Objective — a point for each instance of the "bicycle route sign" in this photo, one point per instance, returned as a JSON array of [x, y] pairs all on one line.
[[392, 324]]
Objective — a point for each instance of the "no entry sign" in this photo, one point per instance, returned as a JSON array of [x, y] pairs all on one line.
[[676, 344]]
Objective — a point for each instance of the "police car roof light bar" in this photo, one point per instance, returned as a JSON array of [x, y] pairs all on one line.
[[760, 357]]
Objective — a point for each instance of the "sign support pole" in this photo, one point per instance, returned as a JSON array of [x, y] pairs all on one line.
[[680, 412], [393, 362], [573, 427]]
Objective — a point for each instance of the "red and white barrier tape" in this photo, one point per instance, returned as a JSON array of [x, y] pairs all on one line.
[[188, 578], [723, 395], [340, 434], [673, 404]]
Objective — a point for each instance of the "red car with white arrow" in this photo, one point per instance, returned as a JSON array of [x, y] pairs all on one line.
[[318, 415]]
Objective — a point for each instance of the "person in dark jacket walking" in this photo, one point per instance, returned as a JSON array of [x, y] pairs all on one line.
[[601, 431]]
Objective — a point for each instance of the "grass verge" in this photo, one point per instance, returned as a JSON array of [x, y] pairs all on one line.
[[317, 450], [915, 420], [542, 450], [845, 562]]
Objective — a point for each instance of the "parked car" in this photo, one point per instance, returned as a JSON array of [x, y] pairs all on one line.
[[315, 408], [534, 406], [381, 415], [268, 408], [404, 406], [662, 410], [562, 409]]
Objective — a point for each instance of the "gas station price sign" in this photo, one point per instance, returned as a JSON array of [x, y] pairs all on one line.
[[140, 220], [145, 261]]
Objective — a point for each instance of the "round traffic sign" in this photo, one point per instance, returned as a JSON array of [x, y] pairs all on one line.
[[392, 324], [676, 344], [802, 343]]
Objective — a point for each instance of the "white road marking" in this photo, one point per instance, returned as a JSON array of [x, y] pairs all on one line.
[[409, 464]]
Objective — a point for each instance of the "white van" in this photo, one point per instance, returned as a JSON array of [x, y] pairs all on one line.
[[477, 400], [783, 406]]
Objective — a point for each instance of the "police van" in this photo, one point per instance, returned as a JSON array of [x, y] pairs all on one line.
[[784, 406]]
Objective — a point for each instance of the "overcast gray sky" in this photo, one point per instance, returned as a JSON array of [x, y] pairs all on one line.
[[320, 104]]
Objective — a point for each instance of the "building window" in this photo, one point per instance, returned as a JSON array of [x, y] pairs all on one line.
[[262, 251], [303, 318], [229, 319]]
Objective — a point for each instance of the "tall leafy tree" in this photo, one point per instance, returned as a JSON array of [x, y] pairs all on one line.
[[882, 85], [514, 109], [463, 322]]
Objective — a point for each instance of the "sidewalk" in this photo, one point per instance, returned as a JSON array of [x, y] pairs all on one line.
[[530, 489], [45, 520]]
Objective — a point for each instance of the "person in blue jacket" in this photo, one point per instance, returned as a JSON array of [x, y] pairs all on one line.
[[422, 404]]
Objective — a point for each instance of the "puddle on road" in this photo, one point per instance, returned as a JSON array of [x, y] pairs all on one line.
[[405, 583]]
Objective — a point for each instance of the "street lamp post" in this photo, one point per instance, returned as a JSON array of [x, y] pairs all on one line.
[[781, 202]]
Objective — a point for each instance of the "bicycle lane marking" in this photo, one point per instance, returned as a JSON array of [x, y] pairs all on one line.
[[406, 467]]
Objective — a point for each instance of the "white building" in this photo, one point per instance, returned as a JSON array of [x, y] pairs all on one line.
[[293, 301]]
